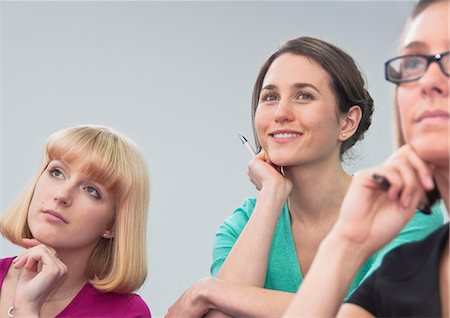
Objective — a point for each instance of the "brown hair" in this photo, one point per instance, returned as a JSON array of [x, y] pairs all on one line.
[[347, 82]]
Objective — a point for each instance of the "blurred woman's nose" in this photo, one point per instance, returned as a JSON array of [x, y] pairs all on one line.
[[434, 82]]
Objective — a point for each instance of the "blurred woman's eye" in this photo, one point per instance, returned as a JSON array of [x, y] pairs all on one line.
[[92, 191], [413, 63]]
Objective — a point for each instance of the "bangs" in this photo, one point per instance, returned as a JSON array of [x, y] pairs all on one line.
[[96, 151]]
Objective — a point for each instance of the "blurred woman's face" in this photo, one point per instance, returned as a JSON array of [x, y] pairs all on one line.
[[424, 103]]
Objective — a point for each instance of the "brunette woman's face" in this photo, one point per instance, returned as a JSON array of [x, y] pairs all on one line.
[[296, 119], [424, 104]]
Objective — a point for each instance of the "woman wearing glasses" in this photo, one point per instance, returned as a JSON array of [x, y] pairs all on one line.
[[413, 280]]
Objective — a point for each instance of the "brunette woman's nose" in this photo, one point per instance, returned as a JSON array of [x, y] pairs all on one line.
[[283, 111]]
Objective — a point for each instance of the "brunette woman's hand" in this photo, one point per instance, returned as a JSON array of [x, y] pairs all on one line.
[[193, 303], [372, 214], [40, 272], [263, 173]]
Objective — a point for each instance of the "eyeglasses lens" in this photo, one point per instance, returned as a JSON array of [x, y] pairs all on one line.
[[410, 68]]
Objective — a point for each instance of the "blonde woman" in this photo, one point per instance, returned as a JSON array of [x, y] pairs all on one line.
[[82, 223]]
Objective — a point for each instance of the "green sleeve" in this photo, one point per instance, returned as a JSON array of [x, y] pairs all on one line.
[[419, 227], [228, 233]]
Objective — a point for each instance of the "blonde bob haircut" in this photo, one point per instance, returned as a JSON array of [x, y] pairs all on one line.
[[117, 264]]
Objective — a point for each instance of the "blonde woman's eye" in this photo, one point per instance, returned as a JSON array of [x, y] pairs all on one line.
[[55, 172], [92, 191]]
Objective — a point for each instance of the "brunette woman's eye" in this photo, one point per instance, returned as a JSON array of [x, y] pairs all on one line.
[[305, 96], [268, 97]]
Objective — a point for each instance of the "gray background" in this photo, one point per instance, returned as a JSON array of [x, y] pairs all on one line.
[[177, 78]]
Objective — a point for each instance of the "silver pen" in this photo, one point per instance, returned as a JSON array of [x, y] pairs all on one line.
[[251, 151], [246, 144]]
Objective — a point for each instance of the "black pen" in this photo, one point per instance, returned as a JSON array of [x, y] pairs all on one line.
[[384, 184], [382, 181]]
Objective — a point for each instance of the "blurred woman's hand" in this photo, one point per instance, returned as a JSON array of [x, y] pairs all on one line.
[[372, 213]]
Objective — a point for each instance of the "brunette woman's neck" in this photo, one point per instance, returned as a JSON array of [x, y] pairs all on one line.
[[317, 194]]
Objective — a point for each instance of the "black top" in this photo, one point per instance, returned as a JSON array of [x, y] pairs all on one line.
[[407, 282]]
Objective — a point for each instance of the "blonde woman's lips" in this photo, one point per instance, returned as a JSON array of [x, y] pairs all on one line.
[[55, 216]]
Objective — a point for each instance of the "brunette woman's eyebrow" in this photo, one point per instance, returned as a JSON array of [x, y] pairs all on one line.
[[296, 85], [270, 86], [303, 85]]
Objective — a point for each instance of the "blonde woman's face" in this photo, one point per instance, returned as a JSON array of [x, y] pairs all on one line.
[[68, 209], [424, 104]]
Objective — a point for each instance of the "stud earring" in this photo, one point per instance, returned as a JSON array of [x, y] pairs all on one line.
[[107, 235], [344, 135]]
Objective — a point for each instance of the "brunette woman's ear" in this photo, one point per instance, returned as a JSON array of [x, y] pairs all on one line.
[[350, 122]]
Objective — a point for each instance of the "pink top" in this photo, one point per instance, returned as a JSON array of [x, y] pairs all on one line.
[[89, 302]]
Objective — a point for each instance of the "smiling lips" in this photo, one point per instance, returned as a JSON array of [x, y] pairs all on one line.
[[285, 135]]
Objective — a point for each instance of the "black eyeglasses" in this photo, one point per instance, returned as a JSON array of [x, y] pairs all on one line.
[[409, 68]]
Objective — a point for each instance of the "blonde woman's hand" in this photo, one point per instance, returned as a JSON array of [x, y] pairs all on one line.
[[371, 215], [40, 272], [263, 173]]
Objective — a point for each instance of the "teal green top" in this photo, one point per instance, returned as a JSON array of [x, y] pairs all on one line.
[[283, 270]]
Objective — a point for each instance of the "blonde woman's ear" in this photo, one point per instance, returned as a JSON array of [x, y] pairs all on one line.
[[108, 234]]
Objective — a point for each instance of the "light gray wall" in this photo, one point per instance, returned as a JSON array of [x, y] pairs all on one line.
[[177, 78]]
